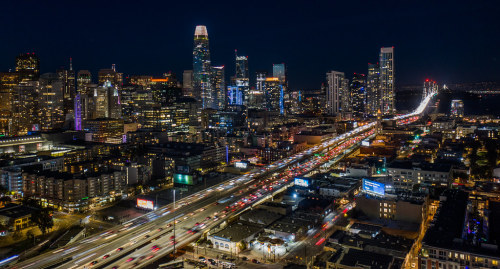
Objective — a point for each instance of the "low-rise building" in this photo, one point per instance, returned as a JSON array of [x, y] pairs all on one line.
[[16, 217], [234, 238], [406, 174], [462, 235]]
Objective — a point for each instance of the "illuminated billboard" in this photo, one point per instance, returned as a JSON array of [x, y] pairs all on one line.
[[183, 179], [373, 187], [241, 165], [301, 182], [143, 203]]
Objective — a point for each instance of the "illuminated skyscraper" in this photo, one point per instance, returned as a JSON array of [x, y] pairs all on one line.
[[336, 92], [67, 77], [241, 79], [116, 79], [256, 96], [274, 95], [234, 96], [51, 102], [8, 81], [457, 108], [84, 78], [373, 90], [202, 86], [28, 66], [387, 80], [219, 85], [107, 102], [26, 108], [358, 94], [279, 71]]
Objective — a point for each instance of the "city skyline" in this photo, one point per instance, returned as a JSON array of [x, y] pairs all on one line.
[[297, 44]]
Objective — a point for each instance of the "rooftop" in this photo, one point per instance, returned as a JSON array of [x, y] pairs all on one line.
[[237, 232]]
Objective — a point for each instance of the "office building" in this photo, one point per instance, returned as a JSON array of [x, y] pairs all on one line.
[[8, 80], [187, 83], [104, 130], [241, 78], [25, 108], [256, 96], [116, 79], [457, 108], [202, 86], [107, 101], [373, 90], [387, 80], [235, 96], [279, 71], [84, 78], [51, 102], [28, 66]]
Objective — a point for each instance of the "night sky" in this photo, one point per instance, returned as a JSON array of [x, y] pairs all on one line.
[[449, 41]]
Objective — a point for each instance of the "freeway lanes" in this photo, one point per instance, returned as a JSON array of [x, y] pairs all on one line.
[[205, 218], [245, 190]]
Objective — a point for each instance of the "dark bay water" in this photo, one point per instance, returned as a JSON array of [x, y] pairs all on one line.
[[473, 104]]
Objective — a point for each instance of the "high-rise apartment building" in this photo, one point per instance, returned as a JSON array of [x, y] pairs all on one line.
[[336, 92], [274, 95], [202, 86], [386, 60], [358, 94], [373, 90], [219, 85], [28, 66]]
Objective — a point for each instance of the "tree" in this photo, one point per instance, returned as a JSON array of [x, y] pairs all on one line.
[[42, 217], [242, 245]]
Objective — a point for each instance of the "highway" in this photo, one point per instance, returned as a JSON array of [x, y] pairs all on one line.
[[144, 240]]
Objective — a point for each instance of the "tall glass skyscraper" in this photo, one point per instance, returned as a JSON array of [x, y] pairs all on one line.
[[279, 71], [373, 89], [202, 86], [358, 91], [219, 87], [241, 78], [387, 80]]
